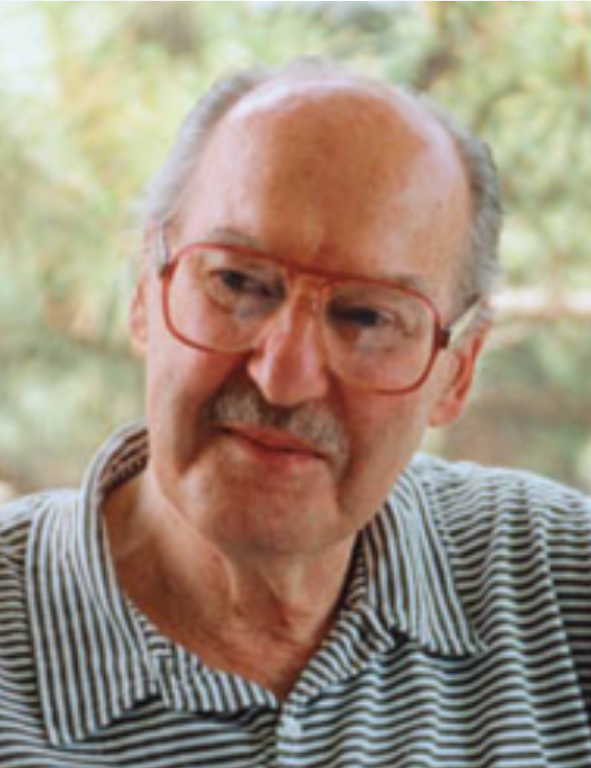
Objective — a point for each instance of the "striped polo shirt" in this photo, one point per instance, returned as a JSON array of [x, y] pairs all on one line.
[[464, 640]]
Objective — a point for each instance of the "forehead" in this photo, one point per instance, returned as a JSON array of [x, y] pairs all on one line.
[[332, 175]]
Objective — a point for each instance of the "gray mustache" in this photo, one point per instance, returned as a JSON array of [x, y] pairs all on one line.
[[311, 422]]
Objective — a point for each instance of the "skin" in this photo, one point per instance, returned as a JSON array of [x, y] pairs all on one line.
[[237, 538]]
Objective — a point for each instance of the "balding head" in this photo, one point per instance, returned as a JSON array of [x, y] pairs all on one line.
[[359, 107]]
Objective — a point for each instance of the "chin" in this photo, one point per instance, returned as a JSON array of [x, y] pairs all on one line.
[[255, 518]]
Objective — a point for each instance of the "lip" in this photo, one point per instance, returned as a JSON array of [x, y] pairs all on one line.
[[272, 442]]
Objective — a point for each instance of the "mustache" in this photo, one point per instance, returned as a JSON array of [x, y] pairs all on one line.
[[312, 422]]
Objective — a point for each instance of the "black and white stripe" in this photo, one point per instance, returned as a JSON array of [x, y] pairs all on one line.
[[464, 641]]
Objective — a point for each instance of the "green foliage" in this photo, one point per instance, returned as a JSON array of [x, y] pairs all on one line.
[[91, 95]]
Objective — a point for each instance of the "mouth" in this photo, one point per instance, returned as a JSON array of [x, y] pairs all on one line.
[[272, 443]]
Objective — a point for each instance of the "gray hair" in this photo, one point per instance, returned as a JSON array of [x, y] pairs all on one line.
[[479, 267]]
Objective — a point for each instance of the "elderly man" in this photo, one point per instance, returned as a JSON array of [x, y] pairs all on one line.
[[265, 574]]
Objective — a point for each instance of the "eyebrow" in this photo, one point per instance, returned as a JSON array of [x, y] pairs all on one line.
[[229, 236]]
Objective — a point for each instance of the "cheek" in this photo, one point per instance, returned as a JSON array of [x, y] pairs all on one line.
[[386, 425], [383, 440], [180, 381], [179, 378]]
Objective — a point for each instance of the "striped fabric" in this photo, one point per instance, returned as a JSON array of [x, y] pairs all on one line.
[[464, 640]]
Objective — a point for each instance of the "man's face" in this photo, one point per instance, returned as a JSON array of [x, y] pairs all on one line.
[[267, 452]]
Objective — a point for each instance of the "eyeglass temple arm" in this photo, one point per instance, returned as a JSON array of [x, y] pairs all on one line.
[[162, 252], [461, 324]]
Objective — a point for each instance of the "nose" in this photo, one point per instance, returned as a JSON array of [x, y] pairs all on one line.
[[289, 366]]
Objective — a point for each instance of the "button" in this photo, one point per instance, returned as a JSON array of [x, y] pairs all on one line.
[[290, 727]]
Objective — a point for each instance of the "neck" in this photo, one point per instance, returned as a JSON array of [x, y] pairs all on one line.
[[259, 615]]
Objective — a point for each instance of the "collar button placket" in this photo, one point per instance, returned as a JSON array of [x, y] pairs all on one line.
[[290, 727], [289, 732]]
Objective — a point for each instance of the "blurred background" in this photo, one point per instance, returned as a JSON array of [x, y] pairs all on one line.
[[90, 97]]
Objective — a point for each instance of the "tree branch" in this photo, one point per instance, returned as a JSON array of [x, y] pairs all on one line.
[[541, 305]]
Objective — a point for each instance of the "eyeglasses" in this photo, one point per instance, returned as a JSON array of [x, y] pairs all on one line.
[[375, 334]]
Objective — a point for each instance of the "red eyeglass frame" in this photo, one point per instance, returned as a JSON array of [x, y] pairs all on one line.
[[442, 337]]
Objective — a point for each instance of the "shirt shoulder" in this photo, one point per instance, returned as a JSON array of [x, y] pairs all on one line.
[[519, 548], [464, 494], [512, 538]]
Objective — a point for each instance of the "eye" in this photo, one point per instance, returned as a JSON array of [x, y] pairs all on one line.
[[359, 316], [244, 292], [390, 323], [244, 284]]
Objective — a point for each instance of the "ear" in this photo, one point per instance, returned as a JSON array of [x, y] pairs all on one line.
[[138, 317], [453, 399]]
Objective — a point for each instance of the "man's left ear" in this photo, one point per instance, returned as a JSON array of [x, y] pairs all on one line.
[[463, 358], [138, 320], [138, 308]]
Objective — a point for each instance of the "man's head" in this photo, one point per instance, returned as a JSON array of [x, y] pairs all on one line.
[[279, 447]]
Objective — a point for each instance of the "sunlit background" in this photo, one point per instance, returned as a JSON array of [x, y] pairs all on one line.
[[90, 97]]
